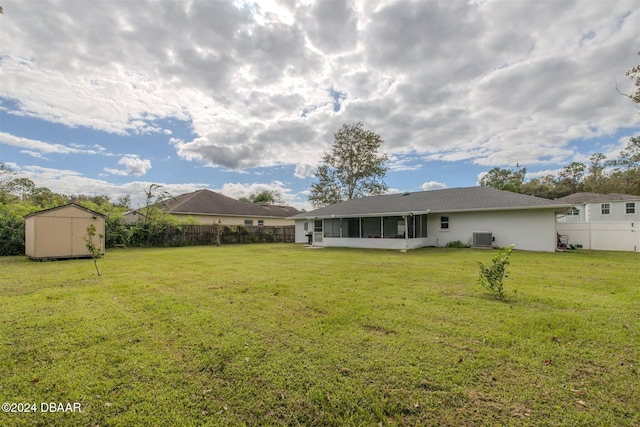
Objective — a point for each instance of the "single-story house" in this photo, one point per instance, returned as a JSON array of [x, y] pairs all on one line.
[[60, 232], [480, 216], [601, 221], [209, 207]]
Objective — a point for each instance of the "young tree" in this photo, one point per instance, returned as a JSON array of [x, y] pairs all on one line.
[[94, 250], [155, 202], [353, 168]]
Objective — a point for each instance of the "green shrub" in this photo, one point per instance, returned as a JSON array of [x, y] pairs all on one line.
[[457, 244], [492, 277], [11, 234]]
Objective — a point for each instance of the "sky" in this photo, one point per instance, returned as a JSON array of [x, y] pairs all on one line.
[[108, 97]]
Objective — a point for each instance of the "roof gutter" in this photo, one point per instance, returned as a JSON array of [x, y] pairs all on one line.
[[557, 208], [365, 215], [520, 208]]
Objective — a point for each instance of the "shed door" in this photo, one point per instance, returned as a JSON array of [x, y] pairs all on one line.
[[53, 237]]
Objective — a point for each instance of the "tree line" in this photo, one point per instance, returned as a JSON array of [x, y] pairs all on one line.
[[600, 175], [19, 196]]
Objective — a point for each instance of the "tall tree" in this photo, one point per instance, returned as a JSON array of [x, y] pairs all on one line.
[[504, 179], [595, 180], [627, 167], [634, 75], [354, 168], [265, 197], [570, 179]]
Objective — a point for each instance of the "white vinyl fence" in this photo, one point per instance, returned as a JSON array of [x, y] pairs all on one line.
[[604, 236]]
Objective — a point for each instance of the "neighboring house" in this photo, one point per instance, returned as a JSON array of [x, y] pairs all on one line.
[[591, 207], [208, 207], [602, 221], [132, 216], [60, 232], [481, 216]]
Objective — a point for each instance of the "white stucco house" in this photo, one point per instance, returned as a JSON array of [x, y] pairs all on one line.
[[481, 216], [602, 221]]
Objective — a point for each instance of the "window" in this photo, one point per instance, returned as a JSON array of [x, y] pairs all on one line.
[[630, 208], [444, 223], [573, 212], [248, 222], [261, 223], [605, 208], [317, 225]]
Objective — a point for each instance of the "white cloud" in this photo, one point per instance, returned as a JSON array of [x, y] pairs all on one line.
[[65, 181], [133, 165], [37, 148], [238, 190], [36, 154], [433, 185], [450, 80]]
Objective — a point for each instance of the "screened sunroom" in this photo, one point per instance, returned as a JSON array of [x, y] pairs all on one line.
[[406, 231]]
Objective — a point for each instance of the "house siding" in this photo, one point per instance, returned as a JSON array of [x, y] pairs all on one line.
[[617, 212], [531, 230]]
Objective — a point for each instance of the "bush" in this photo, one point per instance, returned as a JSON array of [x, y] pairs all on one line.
[[457, 244], [492, 277], [11, 234]]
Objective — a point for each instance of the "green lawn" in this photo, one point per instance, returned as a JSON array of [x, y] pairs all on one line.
[[282, 335]]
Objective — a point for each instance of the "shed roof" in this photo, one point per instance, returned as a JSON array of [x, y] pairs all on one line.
[[446, 200], [580, 198], [66, 206], [207, 202]]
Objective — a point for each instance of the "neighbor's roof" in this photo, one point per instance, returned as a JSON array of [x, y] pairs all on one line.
[[580, 198], [66, 206], [207, 202], [447, 200]]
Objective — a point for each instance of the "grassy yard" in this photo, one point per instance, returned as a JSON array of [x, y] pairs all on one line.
[[283, 335]]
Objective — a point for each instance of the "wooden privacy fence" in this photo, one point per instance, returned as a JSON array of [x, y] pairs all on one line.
[[228, 234]]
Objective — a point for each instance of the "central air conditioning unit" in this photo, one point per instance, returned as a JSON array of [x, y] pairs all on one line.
[[482, 239]]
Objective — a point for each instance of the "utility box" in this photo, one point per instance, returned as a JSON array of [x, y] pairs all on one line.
[[60, 232]]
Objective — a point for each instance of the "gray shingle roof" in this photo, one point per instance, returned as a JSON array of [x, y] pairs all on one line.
[[207, 202], [447, 200], [580, 198]]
